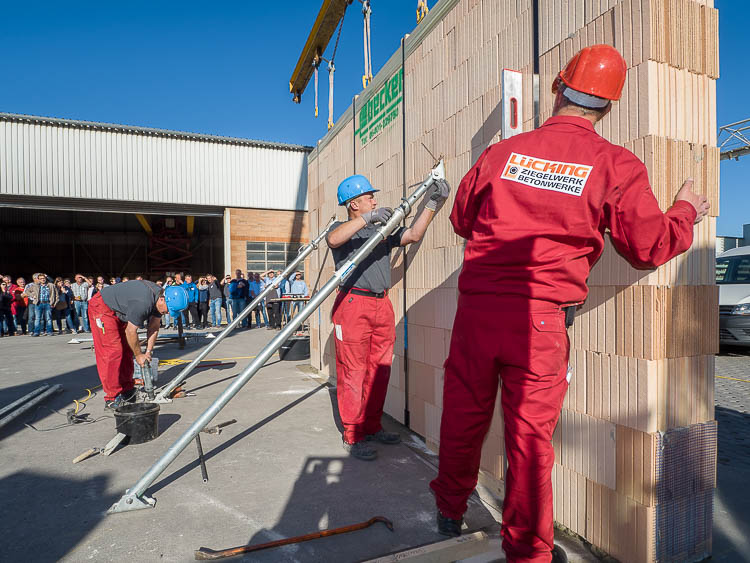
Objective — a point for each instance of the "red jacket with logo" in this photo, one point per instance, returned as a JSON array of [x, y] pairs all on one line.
[[534, 209]]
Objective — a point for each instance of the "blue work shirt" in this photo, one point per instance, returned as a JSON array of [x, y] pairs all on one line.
[[254, 289], [234, 291], [299, 287], [192, 292]]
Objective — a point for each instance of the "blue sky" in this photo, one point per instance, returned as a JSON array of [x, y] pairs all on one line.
[[224, 68]]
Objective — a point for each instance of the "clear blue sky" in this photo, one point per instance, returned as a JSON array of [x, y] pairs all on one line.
[[224, 68]]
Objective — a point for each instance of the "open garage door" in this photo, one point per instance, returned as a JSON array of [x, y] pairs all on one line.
[[63, 242]]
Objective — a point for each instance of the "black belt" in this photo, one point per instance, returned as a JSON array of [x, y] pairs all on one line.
[[365, 292]]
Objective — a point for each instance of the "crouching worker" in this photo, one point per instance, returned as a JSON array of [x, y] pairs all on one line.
[[115, 315], [364, 323]]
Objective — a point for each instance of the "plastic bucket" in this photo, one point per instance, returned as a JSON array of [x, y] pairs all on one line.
[[296, 348], [139, 421]]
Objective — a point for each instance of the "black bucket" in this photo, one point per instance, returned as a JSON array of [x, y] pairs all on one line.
[[139, 421], [295, 348]]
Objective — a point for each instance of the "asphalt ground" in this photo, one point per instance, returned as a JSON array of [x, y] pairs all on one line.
[[278, 472], [731, 542]]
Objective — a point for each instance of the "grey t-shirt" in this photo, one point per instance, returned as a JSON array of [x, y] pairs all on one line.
[[374, 272], [132, 301]]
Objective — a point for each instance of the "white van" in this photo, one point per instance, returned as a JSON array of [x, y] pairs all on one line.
[[733, 279]]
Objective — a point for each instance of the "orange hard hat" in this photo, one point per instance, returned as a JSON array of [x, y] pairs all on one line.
[[597, 71]]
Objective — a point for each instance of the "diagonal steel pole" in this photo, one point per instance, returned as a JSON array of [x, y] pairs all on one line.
[[304, 252], [134, 498]]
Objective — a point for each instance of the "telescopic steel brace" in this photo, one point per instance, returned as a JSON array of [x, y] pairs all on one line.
[[135, 497]]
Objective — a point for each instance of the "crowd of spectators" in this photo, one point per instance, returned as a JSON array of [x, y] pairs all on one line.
[[46, 306]]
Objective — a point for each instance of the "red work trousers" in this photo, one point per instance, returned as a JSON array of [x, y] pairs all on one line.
[[364, 331], [114, 357], [524, 345]]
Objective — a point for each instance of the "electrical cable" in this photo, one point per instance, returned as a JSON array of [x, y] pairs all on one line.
[[79, 402], [73, 420]]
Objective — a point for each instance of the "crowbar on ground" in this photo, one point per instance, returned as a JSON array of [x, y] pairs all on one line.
[[206, 554]]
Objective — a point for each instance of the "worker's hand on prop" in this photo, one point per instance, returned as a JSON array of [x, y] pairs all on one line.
[[698, 201], [141, 359], [377, 216], [437, 194]]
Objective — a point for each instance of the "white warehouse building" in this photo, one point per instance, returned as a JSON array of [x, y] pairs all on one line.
[[117, 200]]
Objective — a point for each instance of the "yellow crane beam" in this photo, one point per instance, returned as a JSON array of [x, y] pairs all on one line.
[[325, 25], [144, 223]]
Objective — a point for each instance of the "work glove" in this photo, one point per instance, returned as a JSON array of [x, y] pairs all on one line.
[[437, 194], [377, 216]]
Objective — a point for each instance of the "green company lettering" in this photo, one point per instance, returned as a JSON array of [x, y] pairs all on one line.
[[380, 110]]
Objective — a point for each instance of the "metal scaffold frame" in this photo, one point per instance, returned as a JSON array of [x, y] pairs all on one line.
[[735, 139], [135, 498]]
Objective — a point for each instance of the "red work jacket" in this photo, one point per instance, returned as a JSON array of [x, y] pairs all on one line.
[[534, 209]]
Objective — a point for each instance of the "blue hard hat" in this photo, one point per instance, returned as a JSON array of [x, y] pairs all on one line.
[[176, 298], [352, 187]]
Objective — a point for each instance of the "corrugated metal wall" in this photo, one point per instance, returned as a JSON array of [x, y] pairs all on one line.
[[38, 158]]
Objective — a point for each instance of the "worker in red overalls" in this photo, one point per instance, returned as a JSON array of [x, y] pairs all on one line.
[[533, 210], [363, 319], [116, 313]]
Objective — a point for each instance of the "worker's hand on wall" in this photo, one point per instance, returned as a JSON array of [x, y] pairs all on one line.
[[437, 194], [699, 202], [377, 216]]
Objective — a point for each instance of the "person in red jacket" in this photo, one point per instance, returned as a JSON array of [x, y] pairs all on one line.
[[534, 209], [362, 315]]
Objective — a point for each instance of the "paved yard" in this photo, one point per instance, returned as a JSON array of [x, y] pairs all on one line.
[[732, 499]]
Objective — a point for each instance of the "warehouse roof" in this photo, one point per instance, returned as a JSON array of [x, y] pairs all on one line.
[[94, 125]]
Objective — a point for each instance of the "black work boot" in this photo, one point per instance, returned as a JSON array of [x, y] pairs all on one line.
[[360, 450], [448, 526], [384, 437], [129, 396], [115, 403], [559, 555]]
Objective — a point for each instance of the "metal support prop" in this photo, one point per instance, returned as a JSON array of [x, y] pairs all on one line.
[[201, 458], [304, 252], [134, 498], [32, 403], [23, 399]]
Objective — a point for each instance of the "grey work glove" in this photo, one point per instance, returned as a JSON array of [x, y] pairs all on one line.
[[437, 194], [377, 216]]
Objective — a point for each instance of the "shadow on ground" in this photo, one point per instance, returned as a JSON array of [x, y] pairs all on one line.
[[732, 538], [44, 517]]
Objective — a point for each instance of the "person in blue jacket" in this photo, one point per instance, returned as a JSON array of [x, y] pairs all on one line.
[[192, 291], [237, 294], [298, 287], [203, 302], [254, 291], [284, 291]]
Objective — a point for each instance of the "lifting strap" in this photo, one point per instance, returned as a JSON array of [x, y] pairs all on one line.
[[422, 10], [316, 64], [331, 70], [367, 12]]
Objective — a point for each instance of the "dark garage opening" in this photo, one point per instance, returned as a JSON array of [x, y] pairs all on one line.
[[63, 243]]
